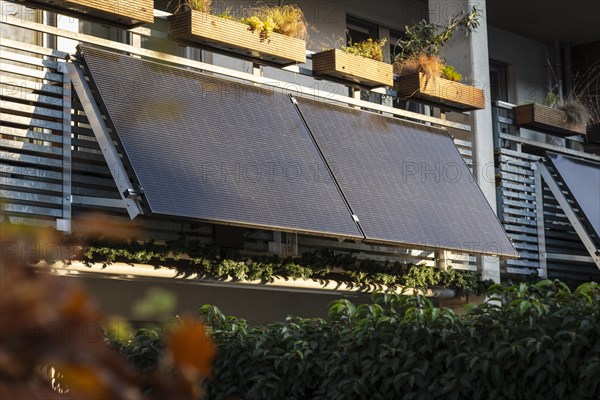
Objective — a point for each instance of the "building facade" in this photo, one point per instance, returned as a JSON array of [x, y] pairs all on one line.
[[114, 120]]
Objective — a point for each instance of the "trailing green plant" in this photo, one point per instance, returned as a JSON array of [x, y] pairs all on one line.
[[577, 112], [450, 73], [190, 257], [526, 342], [286, 19], [369, 48]]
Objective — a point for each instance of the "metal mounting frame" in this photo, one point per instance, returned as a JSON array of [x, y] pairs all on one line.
[[102, 134], [570, 213]]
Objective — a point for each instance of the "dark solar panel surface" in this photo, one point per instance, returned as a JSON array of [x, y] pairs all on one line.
[[216, 150], [583, 181], [407, 183]]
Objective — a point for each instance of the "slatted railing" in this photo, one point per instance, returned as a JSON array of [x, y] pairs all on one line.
[[541, 232], [35, 105]]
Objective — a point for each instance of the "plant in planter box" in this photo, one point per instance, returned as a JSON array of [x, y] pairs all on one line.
[[124, 14], [424, 75], [565, 116], [360, 64], [560, 117], [270, 35]]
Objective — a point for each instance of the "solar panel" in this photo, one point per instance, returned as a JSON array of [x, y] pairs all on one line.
[[583, 181], [216, 150], [407, 183]]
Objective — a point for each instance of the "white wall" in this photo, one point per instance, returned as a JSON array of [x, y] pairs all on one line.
[[526, 58], [118, 297], [327, 29], [528, 72]]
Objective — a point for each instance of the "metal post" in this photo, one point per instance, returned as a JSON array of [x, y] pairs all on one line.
[[571, 215], [541, 229], [101, 132], [64, 224], [441, 259]]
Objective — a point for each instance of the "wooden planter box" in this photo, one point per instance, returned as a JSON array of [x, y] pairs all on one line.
[[440, 92], [124, 13], [547, 119], [226, 36], [593, 133], [353, 69]]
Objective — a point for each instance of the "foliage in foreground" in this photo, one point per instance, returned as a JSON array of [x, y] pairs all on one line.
[[537, 341], [52, 346]]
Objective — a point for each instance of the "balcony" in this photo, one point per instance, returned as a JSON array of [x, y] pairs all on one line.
[[62, 157]]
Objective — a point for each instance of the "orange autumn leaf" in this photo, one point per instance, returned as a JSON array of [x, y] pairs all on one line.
[[76, 305], [191, 347], [84, 380]]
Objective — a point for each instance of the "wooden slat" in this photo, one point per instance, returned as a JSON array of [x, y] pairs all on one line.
[[9, 156], [30, 197], [31, 48], [35, 61], [521, 204], [16, 88], [28, 134], [29, 110], [516, 178], [31, 122], [34, 73], [30, 147], [29, 96], [518, 195], [38, 221], [518, 158], [517, 187], [29, 184], [33, 172], [520, 229], [30, 209], [520, 221], [519, 212]]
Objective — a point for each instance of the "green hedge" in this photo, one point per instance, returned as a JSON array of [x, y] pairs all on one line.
[[537, 341]]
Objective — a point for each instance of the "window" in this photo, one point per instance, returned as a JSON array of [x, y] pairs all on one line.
[[498, 81], [358, 30]]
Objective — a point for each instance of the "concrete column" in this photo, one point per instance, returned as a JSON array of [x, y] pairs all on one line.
[[469, 55]]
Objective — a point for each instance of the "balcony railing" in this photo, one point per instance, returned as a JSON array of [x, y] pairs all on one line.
[[540, 230]]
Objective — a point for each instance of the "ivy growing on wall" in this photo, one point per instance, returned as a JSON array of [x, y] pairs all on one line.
[[211, 262]]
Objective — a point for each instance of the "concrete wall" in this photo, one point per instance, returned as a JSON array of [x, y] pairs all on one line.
[[527, 65], [528, 72], [327, 29], [257, 305]]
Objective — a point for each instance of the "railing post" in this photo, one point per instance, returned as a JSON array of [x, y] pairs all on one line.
[[539, 216], [64, 224]]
